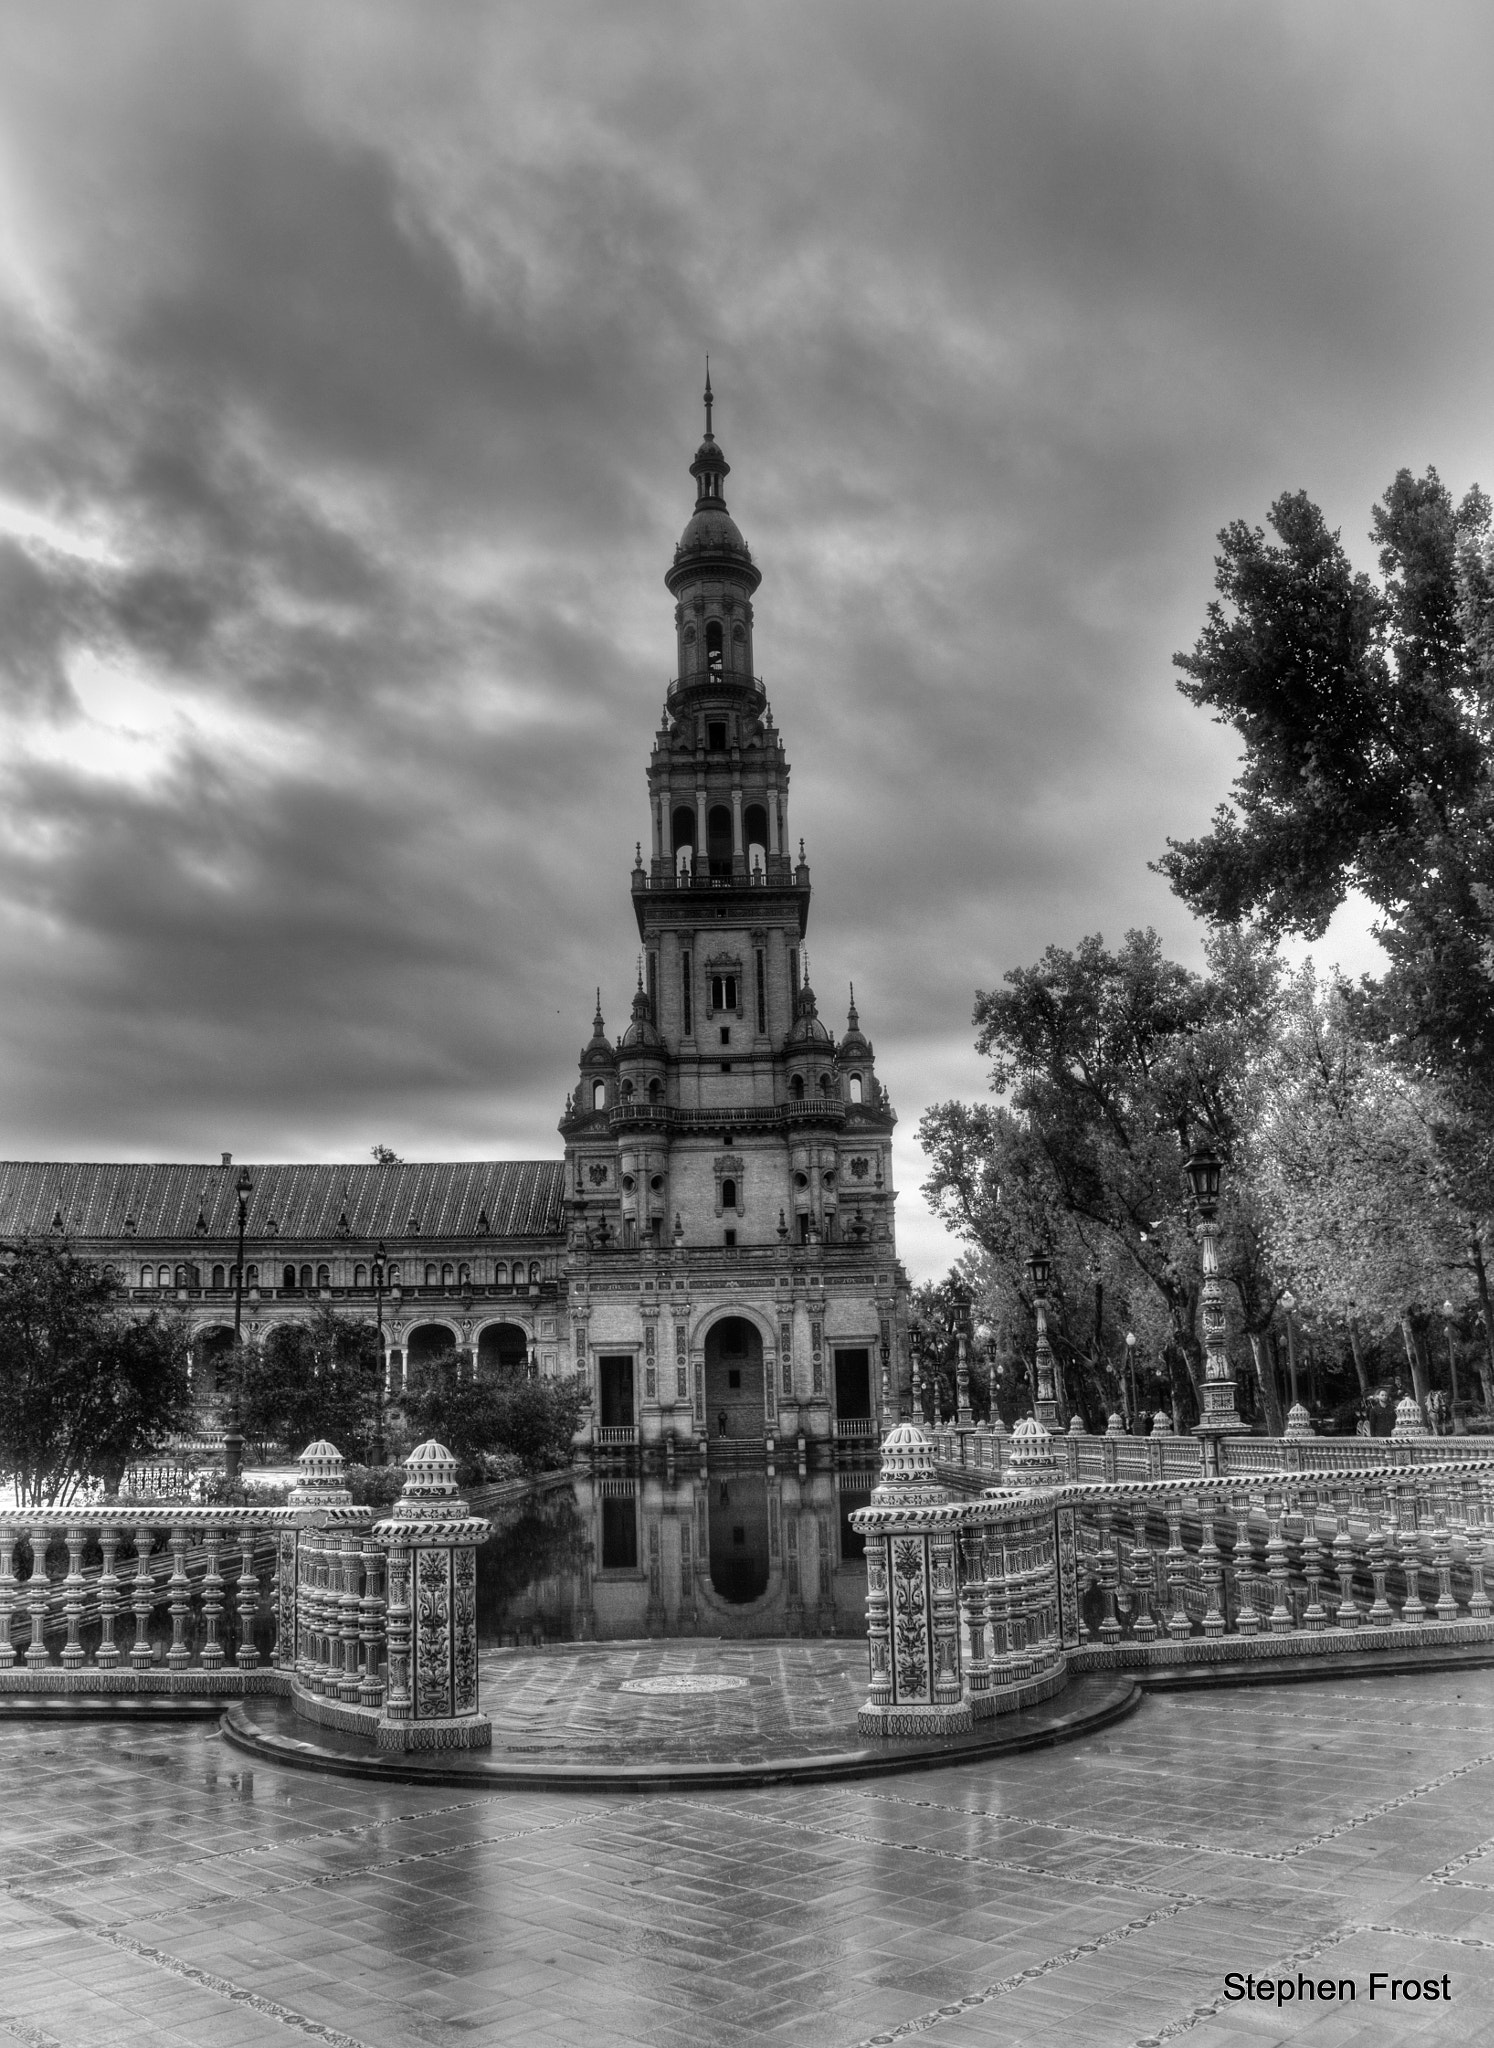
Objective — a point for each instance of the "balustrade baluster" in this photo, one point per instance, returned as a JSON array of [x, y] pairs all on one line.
[[36, 1598], [212, 1601], [1408, 1536], [970, 1551], [143, 1601], [350, 1606], [1315, 1615], [107, 1655], [1442, 1554], [1210, 1567], [1380, 1615], [1178, 1624], [1108, 1563], [1346, 1615], [246, 1600], [8, 1535], [179, 1587], [72, 1607], [371, 1622], [1475, 1521], [1278, 1562], [1143, 1627], [1247, 1619]]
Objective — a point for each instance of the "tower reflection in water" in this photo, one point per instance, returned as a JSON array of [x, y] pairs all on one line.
[[611, 1557]]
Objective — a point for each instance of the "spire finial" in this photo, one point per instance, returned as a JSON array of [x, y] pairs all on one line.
[[640, 974], [708, 399]]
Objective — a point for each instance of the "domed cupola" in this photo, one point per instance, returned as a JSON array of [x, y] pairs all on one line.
[[597, 1053], [642, 1034], [855, 1046], [712, 542], [807, 1028]]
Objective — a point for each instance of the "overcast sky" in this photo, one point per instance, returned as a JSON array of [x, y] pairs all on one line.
[[350, 360]]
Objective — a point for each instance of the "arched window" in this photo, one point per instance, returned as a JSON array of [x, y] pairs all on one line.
[[718, 839], [627, 1090], [755, 833], [360, 1276], [534, 1271], [599, 1094], [682, 827], [218, 1277], [448, 1275], [324, 1276], [181, 1277], [464, 1276], [654, 1089], [432, 1276], [391, 1277], [288, 1277], [855, 1087], [728, 1194], [824, 1084], [500, 1274], [251, 1276], [713, 646], [147, 1276], [306, 1280], [796, 1087]]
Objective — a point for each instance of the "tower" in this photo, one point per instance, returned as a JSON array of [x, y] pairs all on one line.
[[728, 1163]]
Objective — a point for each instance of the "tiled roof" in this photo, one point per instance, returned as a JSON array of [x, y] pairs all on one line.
[[429, 1199]]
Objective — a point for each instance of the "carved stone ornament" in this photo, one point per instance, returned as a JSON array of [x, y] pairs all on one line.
[[1032, 1460], [908, 1476], [596, 1173]]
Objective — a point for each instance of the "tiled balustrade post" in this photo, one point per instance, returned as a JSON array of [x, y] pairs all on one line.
[[107, 1654], [329, 1640], [7, 1592], [36, 1649], [72, 1650], [910, 1532], [1475, 1519], [431, 1542]]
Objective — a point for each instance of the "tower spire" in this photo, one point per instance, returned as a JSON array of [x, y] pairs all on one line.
[[709, 401]]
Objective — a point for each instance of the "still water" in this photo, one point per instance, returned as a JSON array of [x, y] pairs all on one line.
[[736, 1552]]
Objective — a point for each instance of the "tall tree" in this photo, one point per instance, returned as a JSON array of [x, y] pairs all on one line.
[[322, 1379], [1366, 711], [84, 1388]]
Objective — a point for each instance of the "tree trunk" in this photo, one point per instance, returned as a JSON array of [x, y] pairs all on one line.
[[1266, 1381], [1358, 1360], [1481, 1274], [1418, 1373]]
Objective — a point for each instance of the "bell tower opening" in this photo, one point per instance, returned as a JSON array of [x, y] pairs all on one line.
[[713, 647]]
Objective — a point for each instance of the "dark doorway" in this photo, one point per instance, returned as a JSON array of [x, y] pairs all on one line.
[[853, 1402], [739, 1536], [616, 1376], [620, 1534], [503, 1348], [718, 839], [208, 1350], [734, 1379], [427, 1343]]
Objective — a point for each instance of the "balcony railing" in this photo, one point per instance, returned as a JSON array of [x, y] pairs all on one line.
[[311, 1601], [611, 1437], [823, 1109]]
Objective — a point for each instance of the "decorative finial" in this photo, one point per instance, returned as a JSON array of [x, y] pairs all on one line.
[[709, 401], [801, 853], [640, 974]]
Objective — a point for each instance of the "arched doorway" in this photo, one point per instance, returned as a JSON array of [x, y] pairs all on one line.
[[209, 1348], [502, 1348], [734, 1380], [426, 1343], [739, 1536]]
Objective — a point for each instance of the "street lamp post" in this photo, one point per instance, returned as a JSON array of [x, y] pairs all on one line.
[[1288, 1309], [1131, 1377], [1459, 1428], [1220, 1416], [915, 1348], [964, 1419], [1045, 1405], [380, 1256], [233, 1436]]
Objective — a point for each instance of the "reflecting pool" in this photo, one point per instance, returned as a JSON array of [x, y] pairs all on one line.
[[740, 1551]]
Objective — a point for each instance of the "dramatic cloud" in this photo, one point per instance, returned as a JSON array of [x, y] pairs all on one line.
[[349, 361]]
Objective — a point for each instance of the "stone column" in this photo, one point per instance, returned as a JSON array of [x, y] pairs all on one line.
[[431, 1542], [913, 1621]]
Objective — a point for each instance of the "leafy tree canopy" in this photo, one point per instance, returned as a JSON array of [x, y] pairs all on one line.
[[84, 1388], [1366, 710], [534, 1419], [306, 1381]]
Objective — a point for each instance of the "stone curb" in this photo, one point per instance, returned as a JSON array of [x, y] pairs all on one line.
[[242, 1730]]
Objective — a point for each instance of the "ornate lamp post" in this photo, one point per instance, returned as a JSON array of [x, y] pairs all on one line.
[[1220, 1417], [233, 1436], [964, 1419], [1459, 1427], [1045, 1406], [915, 1347], [1131, 1377], [382, 1392], [1288, 1309]]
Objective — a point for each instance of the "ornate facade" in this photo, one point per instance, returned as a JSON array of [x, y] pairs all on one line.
[[716, 1253]]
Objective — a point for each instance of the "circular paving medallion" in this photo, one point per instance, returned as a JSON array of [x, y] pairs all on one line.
[[683, 1681]]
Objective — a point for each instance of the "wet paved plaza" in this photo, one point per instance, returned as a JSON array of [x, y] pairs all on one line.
[[159, 1888]]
